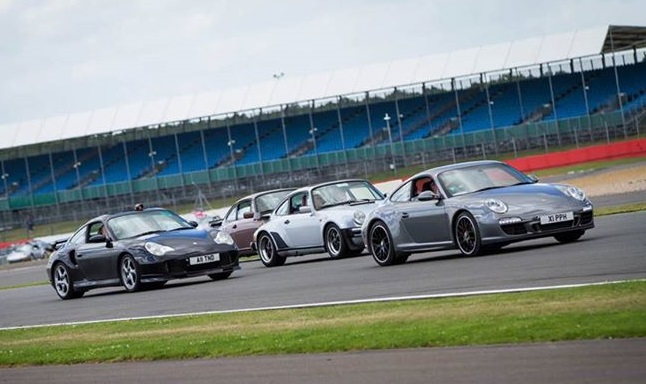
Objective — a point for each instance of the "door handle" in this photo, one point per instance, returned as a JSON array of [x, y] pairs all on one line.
[[235, 226], [287, 221], [405, 215]]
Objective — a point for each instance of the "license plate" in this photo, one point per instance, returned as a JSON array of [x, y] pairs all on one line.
[[204, 259], [557, 218]]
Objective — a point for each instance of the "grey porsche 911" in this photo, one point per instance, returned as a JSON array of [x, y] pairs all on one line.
[[475, 207]]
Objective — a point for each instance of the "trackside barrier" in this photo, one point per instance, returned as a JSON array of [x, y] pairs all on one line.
[[632, 148]]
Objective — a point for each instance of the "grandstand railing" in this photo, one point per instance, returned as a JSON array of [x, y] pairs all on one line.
[[544, 136]]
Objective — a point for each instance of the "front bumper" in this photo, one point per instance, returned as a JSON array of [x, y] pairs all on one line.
[[180, 268], [516, 229]]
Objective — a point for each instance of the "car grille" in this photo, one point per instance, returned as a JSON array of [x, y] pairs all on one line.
[[514, 229], [586, 218], [551, 227]]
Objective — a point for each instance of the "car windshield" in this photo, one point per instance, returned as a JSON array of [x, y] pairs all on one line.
[[344, 192], [480, 177], [141, 223], [266, 203]]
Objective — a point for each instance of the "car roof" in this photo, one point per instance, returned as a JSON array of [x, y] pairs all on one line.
[[256, 194], [437, 170], [109, 216], [310, 187]]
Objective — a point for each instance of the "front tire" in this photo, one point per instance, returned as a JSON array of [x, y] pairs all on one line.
[[569, 237], [130, 274], [62, 283], [382, 247], [334, 242], [467, 235], [268, 253], [220, 275]]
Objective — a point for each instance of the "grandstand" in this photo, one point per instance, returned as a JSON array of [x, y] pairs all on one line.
[[542, 93]]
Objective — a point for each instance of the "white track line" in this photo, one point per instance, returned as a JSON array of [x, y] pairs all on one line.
[[329, 303]]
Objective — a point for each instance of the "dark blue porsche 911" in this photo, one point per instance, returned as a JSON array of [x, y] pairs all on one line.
[[136, 250]]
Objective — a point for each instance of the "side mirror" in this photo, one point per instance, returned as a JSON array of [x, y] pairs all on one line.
[[193, 223], [304, 209], [58, 244], [534, 178], [248, 215], [216, 223]]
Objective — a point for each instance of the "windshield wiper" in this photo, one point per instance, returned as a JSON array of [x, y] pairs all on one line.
[[180, 228], [339, 203], [150, 232], [488, 188], [361, 201]]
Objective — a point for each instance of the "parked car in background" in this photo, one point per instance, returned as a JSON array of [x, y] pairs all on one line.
[[139, 249], [4, 252], [474, 207], [30, 250], [322, 218], [247, 214]]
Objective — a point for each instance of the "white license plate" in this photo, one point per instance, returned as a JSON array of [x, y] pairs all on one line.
[[557, 218], [204, 259]]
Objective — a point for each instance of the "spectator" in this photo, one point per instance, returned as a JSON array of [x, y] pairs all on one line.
[[139, 207]]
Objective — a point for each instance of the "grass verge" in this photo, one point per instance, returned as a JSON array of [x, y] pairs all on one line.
[[593, 312]]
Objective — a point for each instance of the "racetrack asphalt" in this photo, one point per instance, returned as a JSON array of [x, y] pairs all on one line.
[[590, 361]]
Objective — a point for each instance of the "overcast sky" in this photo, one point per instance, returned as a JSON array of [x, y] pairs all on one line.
[[65, 56]]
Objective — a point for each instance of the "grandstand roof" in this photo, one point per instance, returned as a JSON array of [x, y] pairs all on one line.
[[486, 58]]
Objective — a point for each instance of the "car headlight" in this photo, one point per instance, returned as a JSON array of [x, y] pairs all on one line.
[[223, 238], [157, 249], [359, 217], [576, 193], [573, 192], [496, 205]]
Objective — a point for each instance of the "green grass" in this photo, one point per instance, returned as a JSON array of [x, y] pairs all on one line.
[[593, 312]]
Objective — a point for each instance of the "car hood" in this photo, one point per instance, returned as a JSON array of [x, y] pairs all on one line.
[[526, 198], [182, 239]]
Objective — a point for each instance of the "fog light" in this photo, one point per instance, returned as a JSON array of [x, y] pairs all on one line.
[[509, 220]]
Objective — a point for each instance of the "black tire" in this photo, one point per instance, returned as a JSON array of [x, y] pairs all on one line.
[[130, 274], [154, 285], [220, 275], [62, 283], [334, 242], [467, 235], [380, 244], [268, 253], [569, 237], [491, 249]]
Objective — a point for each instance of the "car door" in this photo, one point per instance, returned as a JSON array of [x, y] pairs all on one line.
[[424, 221], [301, 228], [95, 258]]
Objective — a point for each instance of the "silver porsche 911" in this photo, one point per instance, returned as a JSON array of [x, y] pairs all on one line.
[[475, 207], [315, 219]]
